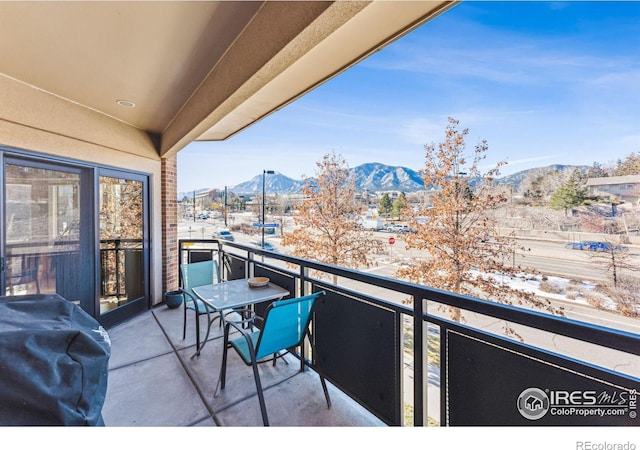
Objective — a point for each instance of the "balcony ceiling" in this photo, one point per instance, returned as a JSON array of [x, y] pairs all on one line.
[[196, 70]]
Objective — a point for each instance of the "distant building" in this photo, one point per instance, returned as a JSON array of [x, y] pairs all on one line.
[[626, 188]]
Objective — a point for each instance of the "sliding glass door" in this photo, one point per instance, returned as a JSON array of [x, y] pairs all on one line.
[[77, 231], [123, 256], [46, 247]]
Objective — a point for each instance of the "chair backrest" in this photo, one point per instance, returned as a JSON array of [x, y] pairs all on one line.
[[199, 274], [285, 324], [22, 269]]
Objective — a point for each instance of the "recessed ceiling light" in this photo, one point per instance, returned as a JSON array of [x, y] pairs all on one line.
[[126, 103]]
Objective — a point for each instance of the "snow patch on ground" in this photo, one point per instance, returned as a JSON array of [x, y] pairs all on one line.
[[553, 287]]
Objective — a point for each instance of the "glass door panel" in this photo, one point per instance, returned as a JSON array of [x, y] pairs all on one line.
[[122, 266], [42, 232]]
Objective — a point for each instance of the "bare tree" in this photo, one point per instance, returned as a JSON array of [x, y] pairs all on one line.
[[629, 166], [624, 286], [591, 222], [328, 221], [539, 184], [465, 254], [626, 295], [613, 257], [280, 207]]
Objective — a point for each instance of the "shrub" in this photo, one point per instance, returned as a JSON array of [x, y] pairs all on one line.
[[552, 288], [594, 300], [626, 295]]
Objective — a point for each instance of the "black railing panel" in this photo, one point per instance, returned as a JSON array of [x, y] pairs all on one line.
[[357, 347], [234, 267], [282, 279], [199, 256], [493, 381], [197, 250]]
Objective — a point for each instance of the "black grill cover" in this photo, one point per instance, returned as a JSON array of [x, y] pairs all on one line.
[[53, 362]]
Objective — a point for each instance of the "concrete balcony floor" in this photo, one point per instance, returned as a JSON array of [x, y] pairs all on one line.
[[153, 381]]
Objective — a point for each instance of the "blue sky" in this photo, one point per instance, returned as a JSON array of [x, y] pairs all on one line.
[[543, 82]]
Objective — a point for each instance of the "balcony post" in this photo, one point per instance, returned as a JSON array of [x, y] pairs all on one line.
[[418, 361]]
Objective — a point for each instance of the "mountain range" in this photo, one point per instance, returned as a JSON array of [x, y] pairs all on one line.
[[371, 177]]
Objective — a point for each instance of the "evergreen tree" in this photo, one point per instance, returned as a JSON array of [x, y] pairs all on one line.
[[385, 205], [569, 195], [399, 205]]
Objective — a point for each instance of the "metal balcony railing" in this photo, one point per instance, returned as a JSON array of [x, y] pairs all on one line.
[[120, 259], [392, 346]]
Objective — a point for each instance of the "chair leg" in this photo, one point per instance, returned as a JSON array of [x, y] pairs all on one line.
[[326, 391], [280, 354], [263, 407], [206, 336], [322, 380], [200, 344], [197, 333], [184, 323], [223, 368]]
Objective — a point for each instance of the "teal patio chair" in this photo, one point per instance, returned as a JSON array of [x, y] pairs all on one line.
[[194, 275], [285, 326]]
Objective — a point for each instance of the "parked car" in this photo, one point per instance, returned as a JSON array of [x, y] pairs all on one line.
[[399, 229], [594, 246], [576, 245], [267, 245], [224, 235]]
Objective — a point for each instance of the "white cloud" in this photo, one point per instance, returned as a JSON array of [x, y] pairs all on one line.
[[422, 130]]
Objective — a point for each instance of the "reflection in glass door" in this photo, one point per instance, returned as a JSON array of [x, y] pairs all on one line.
[[122, 262], [42, 232]]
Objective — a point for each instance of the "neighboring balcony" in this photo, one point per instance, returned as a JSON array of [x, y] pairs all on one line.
[[390, 352]]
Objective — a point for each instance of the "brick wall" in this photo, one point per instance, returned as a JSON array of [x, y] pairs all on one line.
[[169, 224]]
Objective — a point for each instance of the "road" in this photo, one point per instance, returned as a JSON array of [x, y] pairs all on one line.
[[552, 257], [548, 257], [573, 310]]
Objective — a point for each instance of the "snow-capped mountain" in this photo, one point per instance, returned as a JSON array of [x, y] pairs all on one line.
[[376, 177], [277, 182], [372, 177]]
